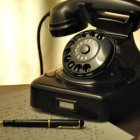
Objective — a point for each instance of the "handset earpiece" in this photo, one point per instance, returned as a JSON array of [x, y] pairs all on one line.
[[66, 18]]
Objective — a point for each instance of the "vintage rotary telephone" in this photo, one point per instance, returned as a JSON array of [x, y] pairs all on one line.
[[100, 77]]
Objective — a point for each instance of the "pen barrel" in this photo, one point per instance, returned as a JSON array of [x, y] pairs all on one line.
[[25, 123], [45, 123]]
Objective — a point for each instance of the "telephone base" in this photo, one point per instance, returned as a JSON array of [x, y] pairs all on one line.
[[57, 96]]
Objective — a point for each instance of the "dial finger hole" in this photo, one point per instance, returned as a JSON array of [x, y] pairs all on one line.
[[70, 44], [67, 59], [100, 36], [87, 67], [77, 68], [86, 33], [67, 51], [77, 37], [71, 64]]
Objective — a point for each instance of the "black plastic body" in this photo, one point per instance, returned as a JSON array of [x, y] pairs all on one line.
[[103, 98]]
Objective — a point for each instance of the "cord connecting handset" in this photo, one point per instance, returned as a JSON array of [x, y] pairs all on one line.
[[100, 76]]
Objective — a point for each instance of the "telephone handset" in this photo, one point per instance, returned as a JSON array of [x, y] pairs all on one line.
[[117, 16], [100, 76]]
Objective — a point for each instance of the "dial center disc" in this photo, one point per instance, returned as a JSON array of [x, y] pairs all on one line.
[[85, 49]]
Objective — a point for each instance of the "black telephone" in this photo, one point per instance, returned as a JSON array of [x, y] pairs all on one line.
[[100, 76]]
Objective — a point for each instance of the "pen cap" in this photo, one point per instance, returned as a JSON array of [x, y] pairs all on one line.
[[66, 123]]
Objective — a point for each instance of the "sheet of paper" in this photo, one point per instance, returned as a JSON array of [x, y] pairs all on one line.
[[16, 105]]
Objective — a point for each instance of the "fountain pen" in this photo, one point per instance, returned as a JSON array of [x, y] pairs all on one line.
[[50, 123]]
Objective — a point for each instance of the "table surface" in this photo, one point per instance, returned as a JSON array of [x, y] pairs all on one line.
[[131, 125]]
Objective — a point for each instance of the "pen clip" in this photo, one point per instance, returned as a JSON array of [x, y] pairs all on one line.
[[69, 127]]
